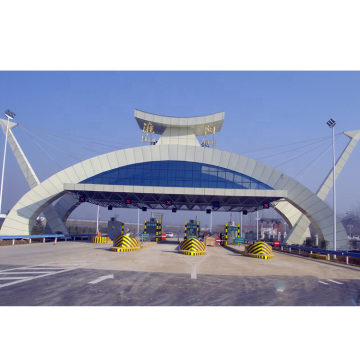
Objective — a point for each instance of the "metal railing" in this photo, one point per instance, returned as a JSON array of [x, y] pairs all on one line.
[[52, 237], [311, 250]]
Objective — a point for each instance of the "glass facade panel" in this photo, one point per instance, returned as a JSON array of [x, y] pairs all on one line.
[[176, 174]]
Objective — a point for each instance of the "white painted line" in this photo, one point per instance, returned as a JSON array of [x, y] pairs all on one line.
[[336, 282], [33, 277], [193, 273], [101, 278], [323, 282], [14, 278], [31, 272], [48, 268], [7, 270]]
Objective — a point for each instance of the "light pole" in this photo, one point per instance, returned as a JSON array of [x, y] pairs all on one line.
[[332, 124], [257, 225], [241, 230], [9, 115], [138, 220], [97, 219], [285, 230]]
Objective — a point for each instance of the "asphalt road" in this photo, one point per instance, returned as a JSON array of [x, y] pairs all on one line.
[[76, 274]]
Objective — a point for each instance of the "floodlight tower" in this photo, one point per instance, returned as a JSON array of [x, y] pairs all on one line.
[[9, 115], [332, 124]]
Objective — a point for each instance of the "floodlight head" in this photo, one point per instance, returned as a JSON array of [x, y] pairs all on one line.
[[331, 122], [9, 114]]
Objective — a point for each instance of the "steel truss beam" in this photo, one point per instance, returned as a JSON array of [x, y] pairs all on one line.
[[180, 201]]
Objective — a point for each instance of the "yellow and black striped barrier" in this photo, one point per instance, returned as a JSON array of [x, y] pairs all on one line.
[[319, 256], [100, 239], [125, 243], [259, 250], [192, 247]]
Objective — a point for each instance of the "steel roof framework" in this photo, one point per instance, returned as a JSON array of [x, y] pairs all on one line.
[[179, 201]]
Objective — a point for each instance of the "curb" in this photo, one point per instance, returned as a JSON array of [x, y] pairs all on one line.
[[259, 256], [118, 249], [147, 245], [192, 253], [234, 250]]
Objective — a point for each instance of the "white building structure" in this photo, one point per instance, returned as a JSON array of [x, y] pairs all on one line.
[[176, 168]]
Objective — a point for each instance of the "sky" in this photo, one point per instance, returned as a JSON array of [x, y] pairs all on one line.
[[278, 111]]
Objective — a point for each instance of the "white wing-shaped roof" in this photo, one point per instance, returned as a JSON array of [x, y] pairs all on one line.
[[197, 124]]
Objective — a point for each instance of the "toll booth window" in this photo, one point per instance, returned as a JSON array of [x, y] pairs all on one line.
[[176, 174]]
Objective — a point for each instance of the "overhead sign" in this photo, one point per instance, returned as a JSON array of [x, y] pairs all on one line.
[[151, 224], [239, 240]]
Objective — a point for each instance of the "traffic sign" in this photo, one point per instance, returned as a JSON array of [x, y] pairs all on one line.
[[277, 243], [144, 235], [239, 240], [163, 236], [218, 240]]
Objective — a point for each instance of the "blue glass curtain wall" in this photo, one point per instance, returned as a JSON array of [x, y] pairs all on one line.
[[176, 174]]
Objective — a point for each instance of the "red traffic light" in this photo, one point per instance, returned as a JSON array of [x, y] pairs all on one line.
[[168, 202], [266, 205], [127, 201], [82, 198]]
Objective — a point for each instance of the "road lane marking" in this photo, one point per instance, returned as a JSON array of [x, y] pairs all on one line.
[[13, 277], [30, 272], [193, 273], [48, 268], [336, 282], [101, 278], [323, 282], [32, 278]]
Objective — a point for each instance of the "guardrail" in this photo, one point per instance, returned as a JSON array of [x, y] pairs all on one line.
[[311, 250], [55, 237]]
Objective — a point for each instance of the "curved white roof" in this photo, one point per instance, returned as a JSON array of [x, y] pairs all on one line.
[[197, 124]]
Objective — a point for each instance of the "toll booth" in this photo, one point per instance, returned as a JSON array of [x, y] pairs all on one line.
[[231, 232], [115, 228], [153, 227], [192, 229]]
